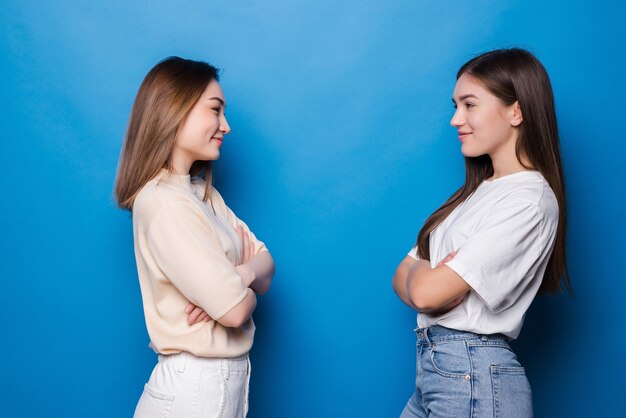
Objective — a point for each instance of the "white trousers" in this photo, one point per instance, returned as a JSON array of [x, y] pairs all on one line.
[[185, 386]]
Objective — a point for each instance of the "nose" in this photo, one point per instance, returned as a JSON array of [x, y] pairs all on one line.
[[224, 126], [457, 119]]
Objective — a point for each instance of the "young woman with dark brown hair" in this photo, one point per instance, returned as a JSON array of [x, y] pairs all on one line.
[[199, 266], [481, 258]]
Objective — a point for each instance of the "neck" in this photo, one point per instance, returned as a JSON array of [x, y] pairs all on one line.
[[180, 164], [505, 162]]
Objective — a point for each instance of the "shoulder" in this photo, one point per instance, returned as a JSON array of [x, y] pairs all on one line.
[[532, 193], [156, 197], [215, 198]]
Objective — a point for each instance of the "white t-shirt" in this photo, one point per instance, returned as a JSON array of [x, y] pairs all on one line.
[[504, 233]]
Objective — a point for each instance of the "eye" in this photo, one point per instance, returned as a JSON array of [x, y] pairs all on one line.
[[469, 105], [216, 109]]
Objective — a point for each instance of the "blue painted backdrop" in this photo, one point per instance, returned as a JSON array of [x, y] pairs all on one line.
[[340, 149]]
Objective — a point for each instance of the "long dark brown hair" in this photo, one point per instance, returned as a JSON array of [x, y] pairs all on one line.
[[515, 75], [166, 96]]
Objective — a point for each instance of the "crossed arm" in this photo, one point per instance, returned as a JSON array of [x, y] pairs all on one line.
[[429, 290], [256, 271]]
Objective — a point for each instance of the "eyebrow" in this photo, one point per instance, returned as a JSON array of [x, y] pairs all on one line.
[[219, 100], [467, 96]]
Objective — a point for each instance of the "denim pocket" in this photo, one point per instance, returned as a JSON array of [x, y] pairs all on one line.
[[154, 404], [512, 396], [450, 359]]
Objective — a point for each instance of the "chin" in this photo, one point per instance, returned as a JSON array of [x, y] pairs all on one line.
[[471, 153], [211, 156]]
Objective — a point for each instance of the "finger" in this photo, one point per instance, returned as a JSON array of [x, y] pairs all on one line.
[[189, 307], [201, 317], [444, 261], [247, 247], [244, 252], [194, 315], [448, 257], [242, 235], [239, 232]]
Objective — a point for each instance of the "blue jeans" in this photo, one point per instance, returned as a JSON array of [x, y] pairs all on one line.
[[462, 374]]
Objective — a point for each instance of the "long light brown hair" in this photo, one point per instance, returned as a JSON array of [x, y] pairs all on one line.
[[516, 75], [166, 96]]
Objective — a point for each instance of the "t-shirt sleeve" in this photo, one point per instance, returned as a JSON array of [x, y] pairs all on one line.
[[499, 259], [233, 220], [189, 254]]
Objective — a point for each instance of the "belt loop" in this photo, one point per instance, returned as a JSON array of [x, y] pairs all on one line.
[[181, 362], [425, 331]]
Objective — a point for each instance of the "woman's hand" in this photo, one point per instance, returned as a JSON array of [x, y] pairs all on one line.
[[244, 269], [447, 258], [248, 246], [195, 314], [455, 302]]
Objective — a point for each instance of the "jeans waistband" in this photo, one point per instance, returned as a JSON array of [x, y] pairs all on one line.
[[182, 359], [437, 333]]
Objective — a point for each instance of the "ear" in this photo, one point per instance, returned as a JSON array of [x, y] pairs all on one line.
[[516, 115]]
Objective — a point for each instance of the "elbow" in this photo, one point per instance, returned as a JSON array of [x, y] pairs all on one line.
[[396, 285], [264, 287], [422, 304], [422, 301]]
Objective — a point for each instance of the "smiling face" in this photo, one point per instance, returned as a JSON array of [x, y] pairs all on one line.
[[202, 133], [485, 124]]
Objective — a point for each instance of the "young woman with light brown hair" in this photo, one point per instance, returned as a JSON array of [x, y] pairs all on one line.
[[481, 258], [199, 266]]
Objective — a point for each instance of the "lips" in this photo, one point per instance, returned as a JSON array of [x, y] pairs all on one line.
[[463, 135], [218, 140]]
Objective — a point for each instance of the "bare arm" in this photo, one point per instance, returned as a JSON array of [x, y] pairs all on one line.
[[434, 290], [399, 280], [256, 269], [258, 272], [237, 316]]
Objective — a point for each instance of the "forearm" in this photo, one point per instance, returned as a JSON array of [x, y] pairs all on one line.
[[237, 316], [262, 265], [431, 289], [411, 282]]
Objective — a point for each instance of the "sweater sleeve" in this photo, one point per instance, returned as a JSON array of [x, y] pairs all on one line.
[[499, 259], [188, 252]]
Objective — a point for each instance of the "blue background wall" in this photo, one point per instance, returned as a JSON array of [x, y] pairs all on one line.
[[340, 149]]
